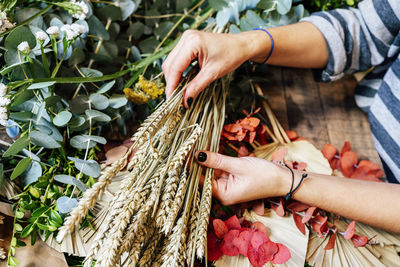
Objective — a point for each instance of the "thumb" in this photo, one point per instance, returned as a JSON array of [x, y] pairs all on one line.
[[201, 81], [219, 161]]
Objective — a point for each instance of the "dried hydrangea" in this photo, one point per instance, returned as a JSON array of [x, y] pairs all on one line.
[[23, 47], [5, 24], [144, 90]]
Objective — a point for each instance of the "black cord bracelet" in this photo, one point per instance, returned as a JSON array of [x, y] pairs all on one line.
[[292, 191]]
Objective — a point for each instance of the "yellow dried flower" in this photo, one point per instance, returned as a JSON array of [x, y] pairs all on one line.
[[144, 90]]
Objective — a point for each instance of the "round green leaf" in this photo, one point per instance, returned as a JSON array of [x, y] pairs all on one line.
[[97, 116], [98, 101], [88, 167], [117, 101], [66, 204], [105, 87], [62, 118], [44, 140], [67, 179], [18, 35]]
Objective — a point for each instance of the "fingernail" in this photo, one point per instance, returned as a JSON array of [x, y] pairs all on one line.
[[202, 157], [189, 101]]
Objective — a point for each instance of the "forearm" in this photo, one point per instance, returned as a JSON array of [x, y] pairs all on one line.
[[299, 45], [372, 203]]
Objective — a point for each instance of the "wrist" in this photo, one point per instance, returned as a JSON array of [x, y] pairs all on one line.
[[257, 45]]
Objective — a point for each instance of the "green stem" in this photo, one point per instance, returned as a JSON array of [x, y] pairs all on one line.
[[44, 60], [25, 22]]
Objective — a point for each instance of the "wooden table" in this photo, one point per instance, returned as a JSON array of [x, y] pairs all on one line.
[[321, 112]]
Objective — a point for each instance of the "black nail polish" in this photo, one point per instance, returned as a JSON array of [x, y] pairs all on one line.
[[189, 101], [202, 157]]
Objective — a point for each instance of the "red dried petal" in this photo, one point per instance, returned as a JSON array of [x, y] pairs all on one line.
[[280, 154], [359, 241], [347, 163], [256, 257], [228, 136], [351, 229], [252, 136], [331, 242], [233, 128], [279, 210], [242, 242], [270, 249], [227, 245], [302, 166], [258, 207], [282, 256], [115, 154], [368, 165], [291, 134], [319, 224], [213, 247], [250, 121], [346, 147], [259, 226], [258, 238], [309, 213], [241, 135], [233, 223], [300, 225], [261, 129], [245, 224], [297, 206], [220, 228], [243, 151], [334, 163], [329, 151]]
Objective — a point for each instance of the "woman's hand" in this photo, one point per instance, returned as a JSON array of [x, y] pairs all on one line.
[[217, 55], [243, 179]]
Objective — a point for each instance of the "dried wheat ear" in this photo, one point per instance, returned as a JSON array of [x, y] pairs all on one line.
[[159, 216]]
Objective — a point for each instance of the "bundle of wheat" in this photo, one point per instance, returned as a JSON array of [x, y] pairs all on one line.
[[159, 208]]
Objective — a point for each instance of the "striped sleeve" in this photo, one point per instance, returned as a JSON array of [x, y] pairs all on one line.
[[357, 39]]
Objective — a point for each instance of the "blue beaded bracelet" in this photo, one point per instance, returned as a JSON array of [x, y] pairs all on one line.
[[272, 43]]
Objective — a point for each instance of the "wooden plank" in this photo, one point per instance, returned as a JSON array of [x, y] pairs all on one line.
[[275, 92], [345, 121], [304, 108]]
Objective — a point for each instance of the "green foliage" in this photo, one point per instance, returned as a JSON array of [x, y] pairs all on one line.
[[324, 5]]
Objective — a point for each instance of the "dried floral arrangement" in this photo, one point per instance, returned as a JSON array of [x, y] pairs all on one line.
[[328, 238]]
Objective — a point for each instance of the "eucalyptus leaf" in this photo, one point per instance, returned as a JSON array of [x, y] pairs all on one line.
[[98, 101], [10, 68], [89, 167], [66, 204], [62, 118], [127, 7], [44, 140], [21, 116], [20, 168], [117, 101], [148, 45], [105, 87], [96, 28], [77, 57], [91, 72], [19, 35], [32, 173], [17, 146], [97, 116], [135, 52], [52, 100], [267, 5], [67, 179], [109, 12], [283, 6], [162, 30], [12, 129], [136, 30], [79, 104]]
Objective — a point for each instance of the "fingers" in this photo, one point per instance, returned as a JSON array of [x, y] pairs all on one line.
[[219, 161], [178, 60], [198, 84]]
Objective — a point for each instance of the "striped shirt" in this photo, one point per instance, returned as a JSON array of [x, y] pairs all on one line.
[[359, 39]]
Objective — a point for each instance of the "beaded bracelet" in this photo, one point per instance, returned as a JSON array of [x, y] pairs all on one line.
[[272, 43]]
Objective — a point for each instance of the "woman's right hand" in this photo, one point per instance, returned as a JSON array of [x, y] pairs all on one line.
[[217, 55]]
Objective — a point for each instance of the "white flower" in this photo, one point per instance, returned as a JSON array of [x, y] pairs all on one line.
[[3, 116], [83, 10], [3, 110], [5, 124], [78, 28], [53, 31], [41, 36], [3, 89], [4, 101], [69, 32], [24, 47]]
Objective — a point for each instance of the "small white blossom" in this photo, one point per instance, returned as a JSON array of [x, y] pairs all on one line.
[[3, 110], [78, 28], [4, 101], [3, 116], [5, 124], [53, 31], [69, 32], [82, 11], [41, 36], [24, 47], [3, 89]]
